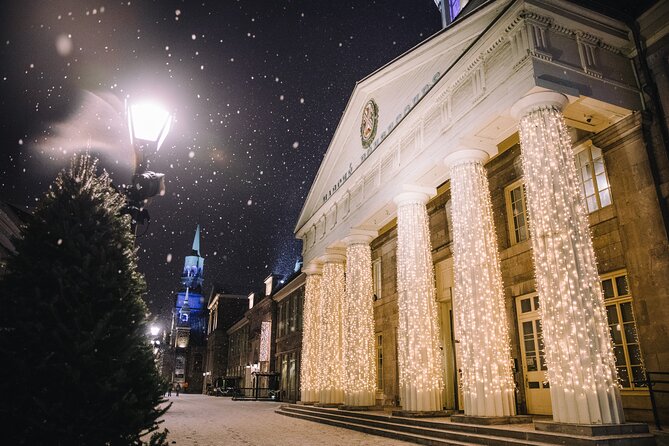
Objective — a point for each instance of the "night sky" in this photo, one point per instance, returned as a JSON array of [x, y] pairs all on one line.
[[257, 89]]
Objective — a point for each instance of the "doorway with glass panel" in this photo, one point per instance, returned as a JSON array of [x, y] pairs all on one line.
[[537, 388]]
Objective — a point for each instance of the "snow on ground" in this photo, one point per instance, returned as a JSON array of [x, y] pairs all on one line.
[[201, 420]]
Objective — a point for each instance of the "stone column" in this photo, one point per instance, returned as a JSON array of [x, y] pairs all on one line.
[[481, 322], [311, 324], [419, 356], [358, 324], [333, 295], [581, 366]]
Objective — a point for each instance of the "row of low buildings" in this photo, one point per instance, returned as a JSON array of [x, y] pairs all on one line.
[[487, 231]]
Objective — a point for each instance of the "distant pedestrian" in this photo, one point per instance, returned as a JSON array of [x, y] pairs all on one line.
[[178, 389], [169, 390]]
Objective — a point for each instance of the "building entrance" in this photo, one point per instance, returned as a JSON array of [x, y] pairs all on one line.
[[444, 284], [537, 388]]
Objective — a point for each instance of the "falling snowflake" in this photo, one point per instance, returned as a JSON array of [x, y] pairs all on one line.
[[296, 145]]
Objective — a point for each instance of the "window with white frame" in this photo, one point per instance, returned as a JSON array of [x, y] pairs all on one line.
[[592, 177], [376, 278], [622, 326], [516, 210]]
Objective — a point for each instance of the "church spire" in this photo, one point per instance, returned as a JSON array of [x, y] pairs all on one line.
[[196, 242]]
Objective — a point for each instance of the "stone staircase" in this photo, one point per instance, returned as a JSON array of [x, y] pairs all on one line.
[[440, 431]]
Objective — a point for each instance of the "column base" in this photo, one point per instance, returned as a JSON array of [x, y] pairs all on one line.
[[591, 430], [421, 413], [488, 421]]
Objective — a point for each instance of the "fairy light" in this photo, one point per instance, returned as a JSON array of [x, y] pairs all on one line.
[[359, 359], [309, 389], [481, 322], [581, 366], [333, 294], [265, 339], [419, 357]]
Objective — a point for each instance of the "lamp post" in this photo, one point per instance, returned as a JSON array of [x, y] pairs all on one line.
[[148, 124]]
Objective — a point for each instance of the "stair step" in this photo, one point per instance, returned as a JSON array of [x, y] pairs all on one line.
[[448, 431], [396, 435], [416, 434]]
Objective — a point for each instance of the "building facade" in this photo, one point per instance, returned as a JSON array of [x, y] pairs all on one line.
[[289, 310], [488, 228], [224, 311]]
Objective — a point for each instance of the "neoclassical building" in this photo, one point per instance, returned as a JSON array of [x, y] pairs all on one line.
[[488, 228]]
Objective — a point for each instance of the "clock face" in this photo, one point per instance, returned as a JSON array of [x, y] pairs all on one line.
[[370, 121]]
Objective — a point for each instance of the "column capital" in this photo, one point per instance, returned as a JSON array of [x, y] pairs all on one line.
[[313, 268], [539, 99], [360, 237], [333, 255], [414, 194], [469, 155]]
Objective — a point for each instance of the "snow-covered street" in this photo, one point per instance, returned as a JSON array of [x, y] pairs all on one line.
[[205, 420]]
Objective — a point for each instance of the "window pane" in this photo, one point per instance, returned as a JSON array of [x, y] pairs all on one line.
[[533, 385], [536, 302], [602, 182], [528, 329], [584, 157], [592, 204], [626, 311], [623, 375], [630, 333], [620, 355], [589, 187], [639, 376], [611, 314], [634, 354], [522, 233], [616, 334], [599, 166], [621, 285], [605, 197], [607, 287], [531, 363], [525, 305]]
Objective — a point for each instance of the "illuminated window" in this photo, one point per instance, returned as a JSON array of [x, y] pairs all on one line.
[[516, 210], [592, 177], [379, 362], [376, 278], [622, 327]]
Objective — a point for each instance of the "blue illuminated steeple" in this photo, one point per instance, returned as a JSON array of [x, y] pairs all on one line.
[[192, 275]]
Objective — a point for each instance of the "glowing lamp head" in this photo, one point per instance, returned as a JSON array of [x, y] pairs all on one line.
[[148, 122], [155, 330]]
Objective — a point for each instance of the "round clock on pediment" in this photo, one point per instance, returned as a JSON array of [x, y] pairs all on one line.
[[370, 121]]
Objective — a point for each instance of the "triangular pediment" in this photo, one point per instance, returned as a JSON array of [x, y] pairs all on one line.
[[395, 89]]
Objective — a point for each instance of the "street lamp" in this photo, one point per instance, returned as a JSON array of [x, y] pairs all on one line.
[[148, 124], [155, 330]]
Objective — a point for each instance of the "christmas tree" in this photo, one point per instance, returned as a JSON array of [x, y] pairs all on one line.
[[77, 365]]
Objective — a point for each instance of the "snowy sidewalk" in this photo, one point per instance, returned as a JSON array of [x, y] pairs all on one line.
[[206, 420]]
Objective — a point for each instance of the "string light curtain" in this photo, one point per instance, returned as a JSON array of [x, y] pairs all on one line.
[[482, 325], [310, 391], [359, 359], [330, 358], [581, 365], [419, 356]]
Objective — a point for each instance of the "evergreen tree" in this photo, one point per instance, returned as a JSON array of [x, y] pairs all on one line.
[[77, 365]]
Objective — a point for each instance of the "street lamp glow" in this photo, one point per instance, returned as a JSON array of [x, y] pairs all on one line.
[[155, 330], [149, 122]]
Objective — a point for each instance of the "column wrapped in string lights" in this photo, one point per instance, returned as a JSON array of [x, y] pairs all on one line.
[[358, 324], [581, 365], [309, 368], [482, 327], [419, 356], [330, 358]]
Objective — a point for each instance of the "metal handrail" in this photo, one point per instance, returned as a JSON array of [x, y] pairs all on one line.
[[649, 382]]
